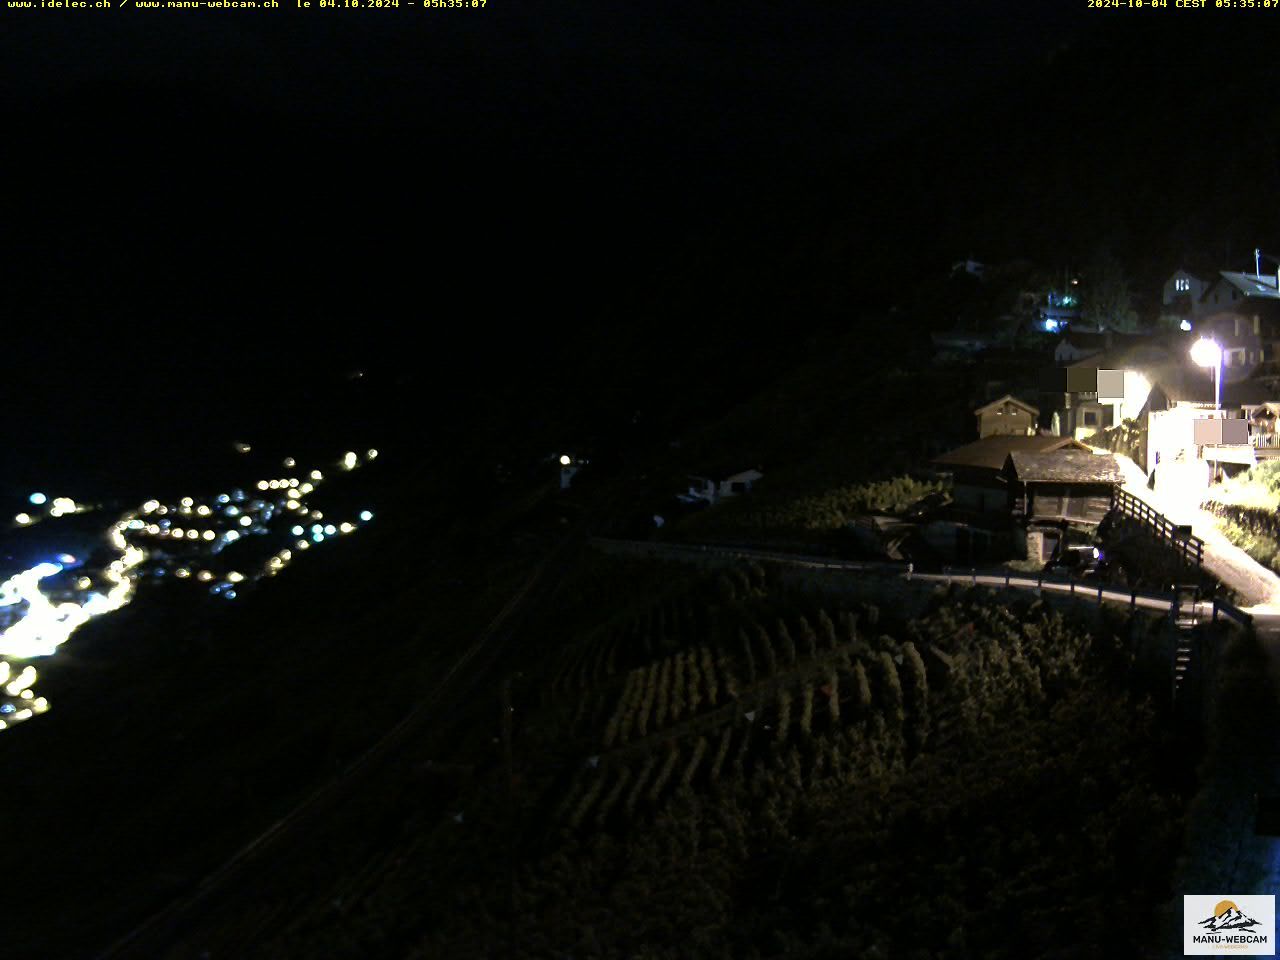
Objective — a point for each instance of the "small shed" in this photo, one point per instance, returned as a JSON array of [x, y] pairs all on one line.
[[1062, 484]]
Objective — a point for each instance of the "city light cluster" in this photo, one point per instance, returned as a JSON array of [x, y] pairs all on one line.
[[40, 608]]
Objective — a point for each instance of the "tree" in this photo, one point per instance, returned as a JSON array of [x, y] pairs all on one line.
[[1108, 301]]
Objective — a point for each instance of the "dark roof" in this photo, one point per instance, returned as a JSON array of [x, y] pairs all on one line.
[[991, 452], [1251, 285], [1250, 392], [1138, 353], [1064, 466], [1009, 398], [1085, 341]]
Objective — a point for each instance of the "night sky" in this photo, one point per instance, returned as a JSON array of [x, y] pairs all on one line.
[[206, 204]]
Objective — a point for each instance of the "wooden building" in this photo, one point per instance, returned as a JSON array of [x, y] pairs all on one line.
[[1054, 490], [977, 469], [1007, 416]]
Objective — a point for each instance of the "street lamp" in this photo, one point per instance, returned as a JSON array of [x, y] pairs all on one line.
[[1206, 353]]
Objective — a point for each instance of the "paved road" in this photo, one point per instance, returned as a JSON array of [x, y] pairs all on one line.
[[990, 578]]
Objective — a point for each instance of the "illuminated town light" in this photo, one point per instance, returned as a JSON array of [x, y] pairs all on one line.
[[565, 460], [37, 499], [1205, 352], [366, 515], [22, 519], [246, 521]]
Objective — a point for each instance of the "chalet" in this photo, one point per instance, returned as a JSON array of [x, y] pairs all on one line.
[[1230, 287], [1182, 288], [976, 468], [1248, 332], [1106, 388], [1007, 416], [1052, 490]]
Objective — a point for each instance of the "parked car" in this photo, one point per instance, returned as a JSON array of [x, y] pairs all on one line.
[[1081, 562]]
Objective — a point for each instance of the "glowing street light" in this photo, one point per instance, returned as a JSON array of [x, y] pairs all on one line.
[[1206, 353]]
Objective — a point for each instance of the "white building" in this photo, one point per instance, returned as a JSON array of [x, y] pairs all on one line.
[[712, 490]]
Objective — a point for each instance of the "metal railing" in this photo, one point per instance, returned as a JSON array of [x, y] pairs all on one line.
[[967, 576]]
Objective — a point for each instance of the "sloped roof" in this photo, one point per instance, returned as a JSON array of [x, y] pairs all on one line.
[[991, 452], [1085, 340], [1064, 466], [1008, 398], [1251, 285]]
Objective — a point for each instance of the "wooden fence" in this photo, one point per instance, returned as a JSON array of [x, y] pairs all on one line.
[[1188, 546]]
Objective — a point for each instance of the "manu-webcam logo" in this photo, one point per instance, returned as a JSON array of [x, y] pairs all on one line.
[[1238, 925]]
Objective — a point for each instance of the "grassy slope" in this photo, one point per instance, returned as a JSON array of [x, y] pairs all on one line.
[[943, 809]]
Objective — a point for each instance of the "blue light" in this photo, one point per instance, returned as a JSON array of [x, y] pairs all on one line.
[[298, 531], [317, 537], [230, 594], [7, 708], [366, 515], [232, 511], [37, 498], [223, 498], [66, 558], [42, 570]]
